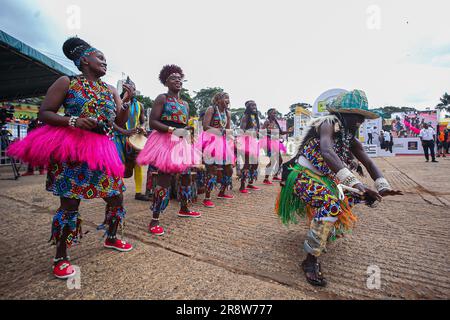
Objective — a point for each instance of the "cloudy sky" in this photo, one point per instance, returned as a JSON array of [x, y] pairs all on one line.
[[274, 52]]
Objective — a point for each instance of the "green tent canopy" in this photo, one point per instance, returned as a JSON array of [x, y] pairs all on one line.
[[24, 71]]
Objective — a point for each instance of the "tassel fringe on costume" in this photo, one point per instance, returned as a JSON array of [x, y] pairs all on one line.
[[69, 219]]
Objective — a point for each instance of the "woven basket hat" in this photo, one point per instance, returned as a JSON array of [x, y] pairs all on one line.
[[352, 102]]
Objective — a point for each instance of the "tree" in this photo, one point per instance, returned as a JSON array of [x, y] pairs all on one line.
[[146, 101], [184, 95], [203, 98], [387, 111], [237, 114], [445, 102]]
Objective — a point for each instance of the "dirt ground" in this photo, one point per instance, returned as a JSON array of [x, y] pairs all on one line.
[[238, 250]]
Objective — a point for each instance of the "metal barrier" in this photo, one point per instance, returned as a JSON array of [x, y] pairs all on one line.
[[13, 131]]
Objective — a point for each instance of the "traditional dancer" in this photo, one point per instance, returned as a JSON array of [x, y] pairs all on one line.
[[166, 150], [128, 154], [250, 125], [274, 147], [82, 159], [318, 183], [218, 148]]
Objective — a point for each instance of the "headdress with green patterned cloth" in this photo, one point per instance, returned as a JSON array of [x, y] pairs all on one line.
[[352, 102]]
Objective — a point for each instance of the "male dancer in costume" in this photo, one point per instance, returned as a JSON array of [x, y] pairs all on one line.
[[128, 154], [318, 183]]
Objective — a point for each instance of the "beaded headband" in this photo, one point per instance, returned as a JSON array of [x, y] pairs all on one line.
[[86, 52]]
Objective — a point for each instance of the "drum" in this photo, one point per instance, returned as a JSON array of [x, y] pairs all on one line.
[[134, 145], [137, 141]]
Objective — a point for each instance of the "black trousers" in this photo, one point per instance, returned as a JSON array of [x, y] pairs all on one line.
[[428, 147], [370, 136]]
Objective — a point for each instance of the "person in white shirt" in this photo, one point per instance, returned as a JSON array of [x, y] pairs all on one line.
[[387, 138], [428, 136]]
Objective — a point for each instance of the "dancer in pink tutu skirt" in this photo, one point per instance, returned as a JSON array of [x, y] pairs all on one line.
[[218, 148], [248, 147], [169, 147], [273, 146], [78, 150]]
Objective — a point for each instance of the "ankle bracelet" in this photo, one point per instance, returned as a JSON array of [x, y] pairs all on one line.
[[56, 260]]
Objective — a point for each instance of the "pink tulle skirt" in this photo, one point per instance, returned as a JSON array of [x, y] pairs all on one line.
[[217, 149], [248, 145], [272, 145], [68, 144], [169, 153]]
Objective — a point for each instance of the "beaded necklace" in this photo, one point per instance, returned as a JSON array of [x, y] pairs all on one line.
[[222, 117], [98, 104]]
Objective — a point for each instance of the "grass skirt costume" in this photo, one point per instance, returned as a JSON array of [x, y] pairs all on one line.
[[81, 164], [315, 194]]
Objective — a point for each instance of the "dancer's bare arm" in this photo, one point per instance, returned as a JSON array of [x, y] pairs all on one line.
[[121, 114], [332, 159], [358, 150], [156, 113], [244, 122], [53, 101], [207, 119]]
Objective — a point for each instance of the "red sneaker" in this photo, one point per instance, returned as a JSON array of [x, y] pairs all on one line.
[[267, 182], [252, 187], [189, 214], [276, 179], [226, 196], [156, 230], [208, 203], [118, 245], [245, 191], [64, 270], [27, 174]]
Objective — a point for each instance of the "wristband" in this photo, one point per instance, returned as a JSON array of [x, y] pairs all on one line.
[[381, 184], [346, 177], [170, 129], [73, 121]]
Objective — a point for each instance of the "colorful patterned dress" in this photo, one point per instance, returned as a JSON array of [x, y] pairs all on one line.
[[74, 179], [175, 112], [219, 120]]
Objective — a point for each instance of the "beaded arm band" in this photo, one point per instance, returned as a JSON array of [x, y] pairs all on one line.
[[346, 177], [381, 184]]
